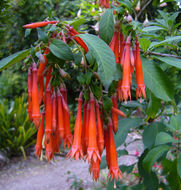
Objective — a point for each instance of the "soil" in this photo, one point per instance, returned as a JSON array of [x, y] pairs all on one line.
[[59, 174]]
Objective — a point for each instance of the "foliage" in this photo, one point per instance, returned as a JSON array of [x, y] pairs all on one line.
[[157, 117], [17, 133]]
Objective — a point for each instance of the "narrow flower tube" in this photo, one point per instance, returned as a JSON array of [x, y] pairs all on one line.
[[84, 147], [106, 140], [114, 170], [76, 149], [41, 89], [54, 112], [68, 138], [125, 86], [114, 114], [39, 24], [119, 94], [38, 146], [140, 91], [92, 150], [60, 115], [55, 142], [73, 32], [119, 112], [116, 48], [99, 130], [30, 79], [49, 149], [48, 111], [43, 61], [48, 77], [35, 98], [122, 44]]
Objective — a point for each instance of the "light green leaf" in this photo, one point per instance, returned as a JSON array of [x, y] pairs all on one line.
[[153, 155], [170, 61], [27, 32], [61, 50], [164, 138], [106, 26], [157, 81], [167, 41], [152, 28], [14, 58], [104, 57], [124, 126], [144, 43], [42, 35]]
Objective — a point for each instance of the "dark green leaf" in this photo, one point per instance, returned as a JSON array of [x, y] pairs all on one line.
[[61, 50], [104, 57], [124, 126], [14, 58], [153, 155], [174, 124], [106, 26], [149, 135], [107, 103], [152, 28], [27, 32], [127, 169], [42, 35], [103, 164], [164, 138], [157, 81], [170, 61], [179, 165]]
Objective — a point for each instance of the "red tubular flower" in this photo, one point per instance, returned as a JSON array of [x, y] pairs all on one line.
[[48, 77], [41, 89], [99, 130], [55, 142], [30, 94], [104, 4], [125, 86], [76, 149], [95, 169], [35, 103], [43, 61], [92, 150], [84, 147], [68, 138], [54, 113], [114, 45], [114, 170], [140, 91], [119, 112], [114, 114], [39, 24], [49, 149], [48, 111], [132, 58], [38, 146], [106, 140], [73, 32], [119, 90], [122, 44], [60, 116]]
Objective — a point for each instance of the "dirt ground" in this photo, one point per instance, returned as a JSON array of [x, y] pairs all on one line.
[[59, 174]]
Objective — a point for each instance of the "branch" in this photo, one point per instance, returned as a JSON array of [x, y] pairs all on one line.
[[143, 8], [162, 54]]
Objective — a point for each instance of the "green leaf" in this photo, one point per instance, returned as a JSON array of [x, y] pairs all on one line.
[[167, 41], [174, 124], [103, 164], [170, 61], [107, 103], [164, 138], [153, 107], [144, 43], [124, 126], [42, 35], [61, 50], [153, 155], [14, 58], [27, 32], [157, 81], [106, 26], [104, 57], [125, 3], [179, 165], [152, 28], [149, 135]]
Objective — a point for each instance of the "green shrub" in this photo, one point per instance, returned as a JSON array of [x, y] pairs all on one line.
[[17, 133]]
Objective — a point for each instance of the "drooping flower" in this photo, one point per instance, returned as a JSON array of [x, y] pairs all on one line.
[[114, 170], [125, 86], [115, 115], [104, 4], [114, 45], [95, 169], [35, 98], [30, 79], [140, 91], [38, 146], [99, 130], [92, 150], [84, 147], [54, 112], [76, 149]]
